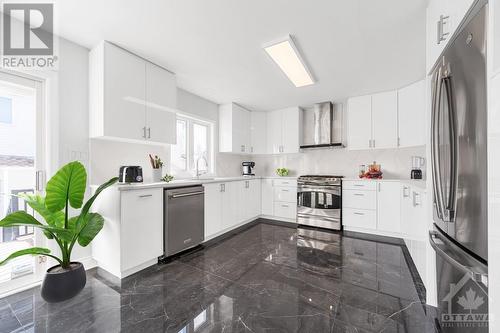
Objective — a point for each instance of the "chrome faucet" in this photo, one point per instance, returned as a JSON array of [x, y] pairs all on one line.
[[198, 171]]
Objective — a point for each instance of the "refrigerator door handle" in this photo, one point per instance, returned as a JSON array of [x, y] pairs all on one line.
[[450, 206], [437, 244], [436, 173]]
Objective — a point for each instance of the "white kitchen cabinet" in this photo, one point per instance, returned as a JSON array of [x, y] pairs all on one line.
[[388, 207], [286, 210], [359, 199], [443, 17], [267, 202], [230, 204], [360, 218], [213, 209], [132, 235], [258, 133], [234, 129], [359, 204], [411, 115], [130, 99], [359, 122], [283, 131], [251, 200], [142, 226], [413, 214], [285, 198], [385, 120]]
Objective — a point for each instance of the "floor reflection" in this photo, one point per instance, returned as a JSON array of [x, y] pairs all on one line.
[[266, 278]]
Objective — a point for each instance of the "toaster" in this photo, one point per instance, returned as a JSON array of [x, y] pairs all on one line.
[[130, 174]]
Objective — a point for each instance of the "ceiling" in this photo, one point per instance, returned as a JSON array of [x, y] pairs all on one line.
[[215, 46]]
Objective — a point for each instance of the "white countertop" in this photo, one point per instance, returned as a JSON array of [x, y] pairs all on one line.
[[191, 182]]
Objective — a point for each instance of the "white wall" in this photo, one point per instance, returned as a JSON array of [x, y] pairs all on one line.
[[396, 163]]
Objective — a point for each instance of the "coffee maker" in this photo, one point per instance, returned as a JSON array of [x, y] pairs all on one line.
[[416, 163], [247, 168]]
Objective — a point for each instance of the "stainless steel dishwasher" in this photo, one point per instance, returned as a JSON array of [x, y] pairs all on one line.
[[184, 224]]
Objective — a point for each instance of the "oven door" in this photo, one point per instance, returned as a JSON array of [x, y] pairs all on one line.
[[319, 206]]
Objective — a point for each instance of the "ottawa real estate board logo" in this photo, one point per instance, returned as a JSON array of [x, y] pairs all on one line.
[[28, 36], [467, 307]]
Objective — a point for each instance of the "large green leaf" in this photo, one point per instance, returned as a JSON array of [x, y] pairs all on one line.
[[32, 251], [68, 184], [86, 208], [21, 218], [93, 223], [37, 202]]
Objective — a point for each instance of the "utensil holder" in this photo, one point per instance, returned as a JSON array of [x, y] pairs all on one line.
[[157, 174]]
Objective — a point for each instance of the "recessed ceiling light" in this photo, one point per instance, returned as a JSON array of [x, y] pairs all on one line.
[[287, 57]]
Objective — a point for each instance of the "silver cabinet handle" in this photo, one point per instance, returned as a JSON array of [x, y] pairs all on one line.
[[144, 132], [145, 196], [251, 149], [190, 194], [149, 132], [356, 213], [359, 194], [406, 191], [359, 185], [373, 143], [415, 202], [247, 184], [283, 190], [370, 143], [285, 206], [242, 148], [379, 186], [223, 187], [441, 35]]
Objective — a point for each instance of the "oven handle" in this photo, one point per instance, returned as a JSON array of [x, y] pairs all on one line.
[[329, 190]]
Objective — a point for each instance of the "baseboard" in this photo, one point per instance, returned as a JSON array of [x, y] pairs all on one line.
[[88, 262], [369, 235]]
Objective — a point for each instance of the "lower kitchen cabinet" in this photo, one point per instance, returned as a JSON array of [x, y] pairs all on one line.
[[132, 236], [360, 218], [285, 198], [267, 201], [388, 207], [414, 222], [229, 204]]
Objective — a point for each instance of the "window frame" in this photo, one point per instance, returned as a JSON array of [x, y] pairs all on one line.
[[190, 162]]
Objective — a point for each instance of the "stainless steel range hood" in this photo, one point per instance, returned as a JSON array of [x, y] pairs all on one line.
[[322, 125]]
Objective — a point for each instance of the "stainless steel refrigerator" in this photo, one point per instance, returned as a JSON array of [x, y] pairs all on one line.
[[459, 174]]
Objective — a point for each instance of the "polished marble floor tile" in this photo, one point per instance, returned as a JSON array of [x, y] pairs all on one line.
[[267, 278]]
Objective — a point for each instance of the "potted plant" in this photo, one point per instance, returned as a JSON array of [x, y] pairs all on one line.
[[64, 190]]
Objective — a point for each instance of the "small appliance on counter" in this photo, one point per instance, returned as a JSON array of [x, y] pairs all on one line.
[[247, 168], [130, 174], [416, 163]]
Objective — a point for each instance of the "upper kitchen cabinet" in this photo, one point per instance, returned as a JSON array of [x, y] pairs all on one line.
[[385, 120], [131, 99], [443, 18], [234, 129], [412, 111], [283, 131], [258, 132], [359, 122], [372, 121]]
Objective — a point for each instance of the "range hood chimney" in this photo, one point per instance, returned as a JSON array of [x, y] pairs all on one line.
[[322, 126]]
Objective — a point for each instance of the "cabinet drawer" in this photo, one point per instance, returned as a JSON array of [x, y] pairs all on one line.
[[365, 185], [359, 218], [285, 209], [285, 194], [359, 199], [285, 182]]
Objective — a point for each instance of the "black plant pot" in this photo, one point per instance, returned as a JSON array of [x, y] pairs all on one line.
[[62, 284]]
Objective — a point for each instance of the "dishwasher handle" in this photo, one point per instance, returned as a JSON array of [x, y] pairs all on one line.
[[182, 195]]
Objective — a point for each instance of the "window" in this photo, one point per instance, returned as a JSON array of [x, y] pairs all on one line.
[[5, 110], [194, 146]]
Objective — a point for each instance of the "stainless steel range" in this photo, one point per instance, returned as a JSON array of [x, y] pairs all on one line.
[[319, 201]]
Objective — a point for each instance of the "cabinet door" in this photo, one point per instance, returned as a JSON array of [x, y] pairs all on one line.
[[385, 120], [406, 220], [267, 196], [258, 132], [359, 122], [161, 87], [274, 129], [241, 129], [141, 226], [229, 204], [124, 94], [255, 195], [161, 126], [388, 207], [290, 130], [213, 209], [411, 115]]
